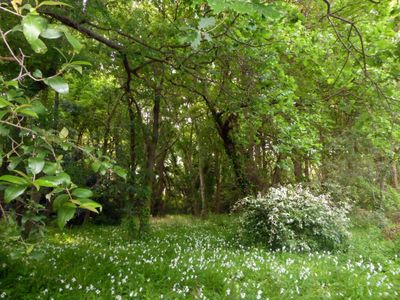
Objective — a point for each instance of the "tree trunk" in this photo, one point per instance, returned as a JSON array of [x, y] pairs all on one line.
[[218, 180], [144, 204], [307, 169], [157, 201], [132, 152], [117, 144], [394, 175], [204, 204], [277, 175], [298, 169], [107, 126], [224, 129]]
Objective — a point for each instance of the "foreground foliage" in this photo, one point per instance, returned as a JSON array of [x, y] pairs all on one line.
[[189, 259]]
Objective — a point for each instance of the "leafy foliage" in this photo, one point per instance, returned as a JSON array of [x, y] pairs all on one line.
[[36, 174]]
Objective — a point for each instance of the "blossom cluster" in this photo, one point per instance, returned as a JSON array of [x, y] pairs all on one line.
[[291, 217]]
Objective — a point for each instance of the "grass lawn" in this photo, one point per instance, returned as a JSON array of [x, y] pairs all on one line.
[[187, 258]]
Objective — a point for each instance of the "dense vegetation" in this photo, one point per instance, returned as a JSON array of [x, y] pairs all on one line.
[[284, 114]]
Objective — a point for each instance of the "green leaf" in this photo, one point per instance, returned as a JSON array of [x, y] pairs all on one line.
[[38, 107], [32, 26], [195, 43], [82, 193], [38, 46], [4, 131], [51, 32], [28, 112], [58, 84], [206, 22], [96, 166], [64, 214], [63, 133], [50, 168], [47, 181], [121, 172], [22, 174], [59, 201], [3, 113], [64, 178], [13, 179], [37, 73], [78, 69], [268, 11], [90, 205], [81, 63], [35, 165], [13, 192], [4, 103], [52, 3], [73, 41], [14, 161]]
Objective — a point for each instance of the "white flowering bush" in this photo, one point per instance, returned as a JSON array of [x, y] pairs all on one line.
[[293, 218]]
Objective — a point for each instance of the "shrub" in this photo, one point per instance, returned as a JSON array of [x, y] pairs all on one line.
[[292, 217]]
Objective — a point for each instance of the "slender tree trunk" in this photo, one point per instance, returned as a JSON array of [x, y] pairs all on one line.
[[394, 175], [157, 201], [107, 126], [218, 167], [307, 169], [132, 151], [117, 144], [204, 204]]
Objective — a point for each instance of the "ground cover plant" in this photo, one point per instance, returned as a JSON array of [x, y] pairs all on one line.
[[187, 258]]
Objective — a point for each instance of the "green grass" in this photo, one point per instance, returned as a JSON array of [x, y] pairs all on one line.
[[187, 258]]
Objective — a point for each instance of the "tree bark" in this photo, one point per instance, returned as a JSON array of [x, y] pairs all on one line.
[[277, 175], [107, 127], [224, 129], [157, 201], [394, 175], [307, 169], [144, 204], [298, 168], [218, 183], [204, 204]]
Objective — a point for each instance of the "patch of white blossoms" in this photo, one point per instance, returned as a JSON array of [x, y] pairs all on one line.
[[293, 218]]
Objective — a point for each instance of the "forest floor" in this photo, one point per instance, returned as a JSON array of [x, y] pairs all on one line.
[[187, 258]]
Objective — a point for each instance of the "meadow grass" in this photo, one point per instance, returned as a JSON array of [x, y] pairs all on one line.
[[187, 258]]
